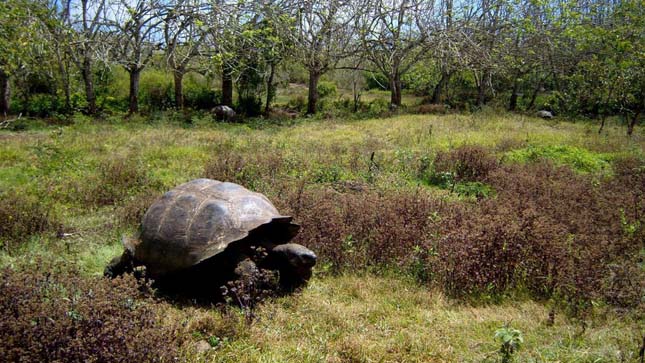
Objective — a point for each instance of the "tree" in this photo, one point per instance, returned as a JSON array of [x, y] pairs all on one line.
[[19, 25], [135, 35], [394, 36], [184, 33], [322, 37], [87, 42]]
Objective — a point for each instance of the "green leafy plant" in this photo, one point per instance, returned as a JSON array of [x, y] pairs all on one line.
[[511, 340]]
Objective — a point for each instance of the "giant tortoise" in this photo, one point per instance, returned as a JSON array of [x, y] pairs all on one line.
[[206, 231]]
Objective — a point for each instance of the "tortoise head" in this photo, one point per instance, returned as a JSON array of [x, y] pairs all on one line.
[[294, 257]]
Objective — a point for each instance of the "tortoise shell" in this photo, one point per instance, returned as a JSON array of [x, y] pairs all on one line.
[[199, 219]]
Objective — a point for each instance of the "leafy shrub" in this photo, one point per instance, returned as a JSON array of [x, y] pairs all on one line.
[[202, 98], [376, 81], [577, 158], [250, 105], [549, 231], [156, 90], [58, 316], [510, 340], [254, 171], [298, 103], [40, 105], [378, 107], [22, 217], [326, 89]]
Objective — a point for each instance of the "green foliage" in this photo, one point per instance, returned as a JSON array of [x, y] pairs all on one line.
[[326, 89], [156, 90], [376, 80], [578, 158], [473, 189], [198, 94], [511, 341]]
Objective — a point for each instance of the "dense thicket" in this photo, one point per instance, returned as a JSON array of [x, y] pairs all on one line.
[[579, 57], [54, 315]]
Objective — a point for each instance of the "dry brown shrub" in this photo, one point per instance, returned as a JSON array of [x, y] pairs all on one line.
[[254, 171], [549, 230], [365, 228], [466, 163], [58, 316], [438, 109], [116, 178], [22, 217], [133, 208]]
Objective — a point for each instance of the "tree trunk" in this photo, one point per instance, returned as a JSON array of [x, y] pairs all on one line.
[[395, 85], [312, 100], [438, 89], [270, 88], [481, 94], [135, 74], [179, 88], [63, 70], [227, 87], [5, 99], [632, 123], [88, 80], [602, 123], [356, 94], [534, 95], [513, 103]]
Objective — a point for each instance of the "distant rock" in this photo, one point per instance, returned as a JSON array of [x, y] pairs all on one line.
[[544, 114]]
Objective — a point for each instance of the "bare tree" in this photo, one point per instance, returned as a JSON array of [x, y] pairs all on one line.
[[85, 42], [184, 34], [136, 35], [394, 35], [323, 37]]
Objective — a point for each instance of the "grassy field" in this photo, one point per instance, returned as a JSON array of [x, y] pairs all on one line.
[[70, 193]]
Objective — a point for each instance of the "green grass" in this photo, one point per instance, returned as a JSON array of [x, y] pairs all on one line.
[[391, 319], [577, 158], [348, 318]]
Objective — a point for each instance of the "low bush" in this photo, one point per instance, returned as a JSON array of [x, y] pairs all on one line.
[[256, 172], [466, 163], [326, 89], [436, 109], [115, 179], [156, 90], [537, 227], [58, 316], [364, 229], [22, 217]]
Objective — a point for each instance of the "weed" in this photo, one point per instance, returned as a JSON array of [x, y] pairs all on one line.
[[511, 340]]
